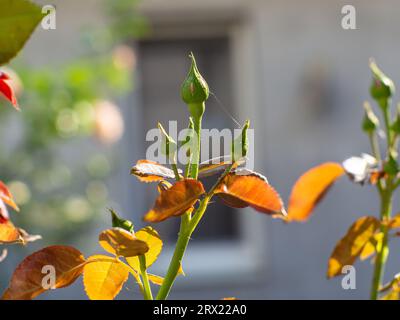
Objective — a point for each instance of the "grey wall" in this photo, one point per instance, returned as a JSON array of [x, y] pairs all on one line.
[[312, 79]]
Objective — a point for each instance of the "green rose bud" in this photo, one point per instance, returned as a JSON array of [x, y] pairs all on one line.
[[118, 222], [195, 90], [382, 87], [370, 122], [240, 145]]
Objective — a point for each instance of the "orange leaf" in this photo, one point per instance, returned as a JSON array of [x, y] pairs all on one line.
[[150, 171], [351, 245], [394, 223], [103, 277], [239, 191], [27, 280], [7, 197], [176, 200], [155, 279], [9, 234], [7, 90], [310, 188], [120, 242]]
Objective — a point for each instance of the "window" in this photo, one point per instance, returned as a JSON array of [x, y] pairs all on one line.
[[228, 242], [163, 66]]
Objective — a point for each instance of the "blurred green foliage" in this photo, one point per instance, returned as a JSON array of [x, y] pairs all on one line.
[[54, 164], [59, 195]]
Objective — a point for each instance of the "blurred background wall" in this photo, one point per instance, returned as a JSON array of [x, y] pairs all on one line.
[[293, 70]]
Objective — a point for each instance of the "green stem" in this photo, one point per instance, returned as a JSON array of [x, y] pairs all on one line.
[[381, 258], [146, 284], [196, 111], [386, 117], [176, 172], [375, 146], [176, 261], [187, 170], [373, 139], [199, 213], [386, 196], [185, 231], [183, 240]]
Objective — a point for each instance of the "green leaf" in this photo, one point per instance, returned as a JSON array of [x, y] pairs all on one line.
[[18, 19]]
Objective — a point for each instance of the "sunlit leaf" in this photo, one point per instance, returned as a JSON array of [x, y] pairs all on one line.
[[18, 19], [394, 223], [239, 191], [392, 289], [7, 197], [120, 242], [351, 245], [9, 234], [176, 200], [150, 171], [103, 277], [154, 242], [7, 91], [310, 188], [136, 276], [372, 246], [391, 295], [28, 279], [155, 279]]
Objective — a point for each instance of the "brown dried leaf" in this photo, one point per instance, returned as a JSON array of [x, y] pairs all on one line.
[[120, 242], [26, 282], [155, 244]]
